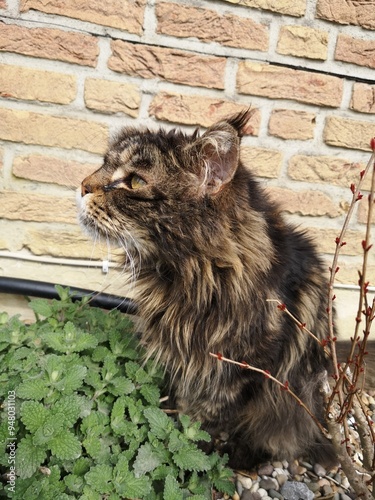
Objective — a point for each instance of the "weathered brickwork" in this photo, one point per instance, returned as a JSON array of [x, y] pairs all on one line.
[[276, 82], [356, 51], [208, 26], [344, 12], [302, 41], [49, 43], [176, 66], [123, 14], [72, 73], [35, 85], [57, 131]]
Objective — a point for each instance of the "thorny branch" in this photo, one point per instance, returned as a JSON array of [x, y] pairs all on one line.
[[345, 396]]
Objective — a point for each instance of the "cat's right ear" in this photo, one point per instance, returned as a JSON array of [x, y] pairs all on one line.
[[217, 154]]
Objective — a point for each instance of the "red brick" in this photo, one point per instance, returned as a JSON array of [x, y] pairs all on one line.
[[277, 82], [174, 65], [356, 51], [123, 14], [49, 43], [209, 26]]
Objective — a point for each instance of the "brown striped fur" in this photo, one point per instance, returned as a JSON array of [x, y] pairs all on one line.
[[207, 250]]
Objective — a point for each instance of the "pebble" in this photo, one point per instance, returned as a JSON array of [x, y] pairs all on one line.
[[327, 490], [319, 470], [236, 496], [262, 492], [269, 482], [250, 495], [293, 490], [265, 470], [246, 482], [296, 469], [277, 465], [275, 494], [281, 479], [314, 487], [343, 496], [239, 487]]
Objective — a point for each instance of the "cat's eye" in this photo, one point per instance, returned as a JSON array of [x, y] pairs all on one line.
[[136, 182]]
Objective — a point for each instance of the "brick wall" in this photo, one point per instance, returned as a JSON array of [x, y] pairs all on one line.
[[72, 73]]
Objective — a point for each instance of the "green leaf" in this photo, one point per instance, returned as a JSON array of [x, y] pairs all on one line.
[[172, 490], [127, 485], [146, 461], [193, 430], [33, 389], [74, 483], [175, 442], [72, 379], [151, 393], [41, 307], [50, 428], [70, 407], [121, 386], [100, 478], [33, 415], [160, 424], [29, 457], [192, 459], [66, 446]]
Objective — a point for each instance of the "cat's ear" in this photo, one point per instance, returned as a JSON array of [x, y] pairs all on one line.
[[217, 151]]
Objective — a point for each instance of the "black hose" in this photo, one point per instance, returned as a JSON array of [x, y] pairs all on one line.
[[45, 290]]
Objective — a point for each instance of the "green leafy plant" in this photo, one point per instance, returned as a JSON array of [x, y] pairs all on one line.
[[81, 415]]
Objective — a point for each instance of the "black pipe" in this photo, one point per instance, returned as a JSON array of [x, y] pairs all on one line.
[[46, 290]]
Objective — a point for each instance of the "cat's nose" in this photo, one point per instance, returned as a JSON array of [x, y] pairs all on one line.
[[85, 189]]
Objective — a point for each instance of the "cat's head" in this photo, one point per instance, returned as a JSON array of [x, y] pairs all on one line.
[[154, 188]]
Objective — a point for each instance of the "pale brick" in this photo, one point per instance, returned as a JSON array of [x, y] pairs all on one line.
[[344, 12], [112, 97], [356, 51], [50, 169], [291, 124], [325, 240], [3, 4], [262, 162], [328, 169], [26, 206], [348, 274], [347, 133], [198, 110], [63, 242], [362, 214], [36, 85], [312, 203], [174, 65], [57, 131], [210, 26], [49, 43], [277, 82], [123, 14], [290, 7], [302, 41], [363, 98]]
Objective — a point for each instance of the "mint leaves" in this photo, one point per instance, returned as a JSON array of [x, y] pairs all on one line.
[[88, 422]]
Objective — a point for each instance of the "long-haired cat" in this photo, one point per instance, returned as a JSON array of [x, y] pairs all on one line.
[[210, 249]]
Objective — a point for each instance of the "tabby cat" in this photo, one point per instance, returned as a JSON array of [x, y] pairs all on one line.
[[209, 249]]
